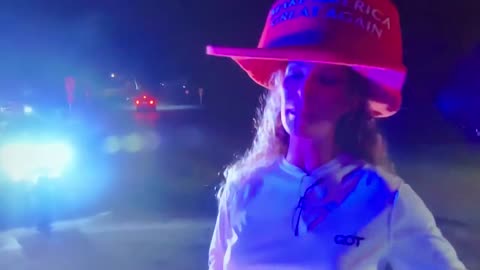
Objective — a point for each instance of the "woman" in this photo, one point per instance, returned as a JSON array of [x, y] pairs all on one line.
[[315, 190]]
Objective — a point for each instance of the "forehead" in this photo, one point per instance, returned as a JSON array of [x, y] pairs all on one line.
[[317, 67]]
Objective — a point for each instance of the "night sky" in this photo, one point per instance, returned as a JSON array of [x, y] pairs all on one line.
[[42, 41]]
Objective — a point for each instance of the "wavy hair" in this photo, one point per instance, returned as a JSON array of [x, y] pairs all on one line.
[[271, 140]]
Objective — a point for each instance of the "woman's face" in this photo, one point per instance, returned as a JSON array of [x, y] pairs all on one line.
[[314, 97]]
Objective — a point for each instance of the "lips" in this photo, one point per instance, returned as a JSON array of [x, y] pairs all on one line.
[[291, 113]]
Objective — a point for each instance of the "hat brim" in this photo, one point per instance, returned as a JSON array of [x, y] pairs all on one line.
[[260, 63]]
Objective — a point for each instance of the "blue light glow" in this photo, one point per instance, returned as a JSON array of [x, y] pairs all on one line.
[[27, 161]]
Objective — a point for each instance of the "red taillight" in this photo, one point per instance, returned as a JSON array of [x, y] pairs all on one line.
[[151, 102], [144, 97], [137, 101]]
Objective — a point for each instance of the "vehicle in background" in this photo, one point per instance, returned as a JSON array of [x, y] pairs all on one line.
[[171, 92], [146, 102], [12, 108], [52, 163], [51, 168]]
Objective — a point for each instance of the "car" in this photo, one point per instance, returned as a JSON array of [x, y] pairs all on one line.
[[146, 102], [14, 108], [45, 161]]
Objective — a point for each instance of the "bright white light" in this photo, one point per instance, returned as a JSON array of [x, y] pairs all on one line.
[[112, 75], [27, 109], [29, 161]]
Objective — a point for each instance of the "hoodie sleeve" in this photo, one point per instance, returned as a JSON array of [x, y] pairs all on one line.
[[415, 240], [221, 233]]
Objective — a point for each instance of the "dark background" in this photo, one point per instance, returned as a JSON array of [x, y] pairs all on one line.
[[432, 139], [43, 41]]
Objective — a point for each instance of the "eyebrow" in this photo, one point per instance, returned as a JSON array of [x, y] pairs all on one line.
[[295, 65]]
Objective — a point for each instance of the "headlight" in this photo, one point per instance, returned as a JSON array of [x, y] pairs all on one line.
[[29, 161], [27, 109]]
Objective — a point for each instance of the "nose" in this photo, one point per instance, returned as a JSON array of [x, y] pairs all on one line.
[[295, 88], [299, 92], [293, 95]]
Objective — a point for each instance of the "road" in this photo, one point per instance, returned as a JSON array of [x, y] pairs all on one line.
[[158, 205], [108, 242]]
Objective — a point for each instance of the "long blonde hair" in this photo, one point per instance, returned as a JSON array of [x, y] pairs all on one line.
[[271, 140]]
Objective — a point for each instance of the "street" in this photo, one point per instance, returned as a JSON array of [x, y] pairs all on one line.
[[119, 118], [156, 210]]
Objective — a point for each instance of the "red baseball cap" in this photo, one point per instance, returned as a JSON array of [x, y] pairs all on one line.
[[362, 34]]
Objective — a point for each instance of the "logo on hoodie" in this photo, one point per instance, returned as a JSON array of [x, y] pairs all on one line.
[[348, 240]]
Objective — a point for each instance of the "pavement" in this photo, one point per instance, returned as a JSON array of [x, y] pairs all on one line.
[[160, 172], [147, 242], [109, 243]]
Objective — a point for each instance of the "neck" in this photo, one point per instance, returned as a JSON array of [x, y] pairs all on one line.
[[309, 154]]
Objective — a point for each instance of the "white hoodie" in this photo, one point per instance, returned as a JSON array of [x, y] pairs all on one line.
[[356, 217]]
